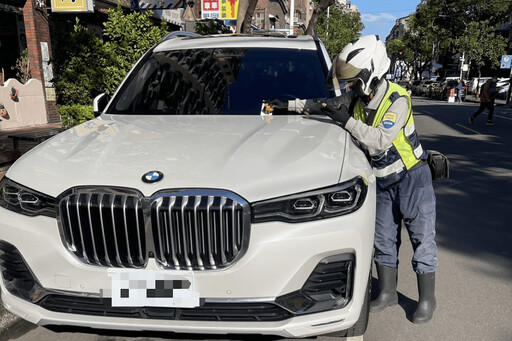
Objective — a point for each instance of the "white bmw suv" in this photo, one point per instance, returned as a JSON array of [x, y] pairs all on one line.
[[184, 207]]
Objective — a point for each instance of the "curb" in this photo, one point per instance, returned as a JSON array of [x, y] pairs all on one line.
[[7, 319]]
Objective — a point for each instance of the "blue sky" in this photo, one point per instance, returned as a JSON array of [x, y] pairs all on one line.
[[379, 16]]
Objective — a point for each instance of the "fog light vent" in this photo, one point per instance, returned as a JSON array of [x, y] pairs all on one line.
[[328, 287], [16, 275]]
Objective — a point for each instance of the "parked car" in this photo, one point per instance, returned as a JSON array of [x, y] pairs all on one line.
[[502, 86], [415, 87], [442, 91], [186, 207], [405, 84], [474, 84], [424, 87]]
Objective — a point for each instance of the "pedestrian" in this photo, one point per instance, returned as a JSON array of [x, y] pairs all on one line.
[[378, 114], [487, 96], [459, 88]]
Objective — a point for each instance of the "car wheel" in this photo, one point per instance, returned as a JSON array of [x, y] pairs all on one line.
[[360, 326]]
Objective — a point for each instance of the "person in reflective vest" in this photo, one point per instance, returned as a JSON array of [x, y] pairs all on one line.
[[378, 114]]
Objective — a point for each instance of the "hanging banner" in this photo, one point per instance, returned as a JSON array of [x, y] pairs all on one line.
[[211, 9], [155, 4], [173, 16], [228, 9], [72, 6]]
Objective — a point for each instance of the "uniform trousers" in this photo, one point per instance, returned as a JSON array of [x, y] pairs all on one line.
[[412, 201]]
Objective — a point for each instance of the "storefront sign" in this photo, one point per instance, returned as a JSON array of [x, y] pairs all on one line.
[[228, 9], [211, 9], [50, 94], [72, 6], [47, 65]]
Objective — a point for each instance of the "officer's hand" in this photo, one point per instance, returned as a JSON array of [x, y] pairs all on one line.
[[278, 107], [340, 115], [313, 106]]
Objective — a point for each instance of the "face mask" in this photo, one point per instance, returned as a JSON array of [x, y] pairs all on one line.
[[357, 87]]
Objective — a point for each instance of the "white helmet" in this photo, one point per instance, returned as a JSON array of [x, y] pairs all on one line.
[[363, 59]]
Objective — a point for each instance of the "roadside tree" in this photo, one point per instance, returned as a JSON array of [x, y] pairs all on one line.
[[469, 27], [338, 29], [86, 65]]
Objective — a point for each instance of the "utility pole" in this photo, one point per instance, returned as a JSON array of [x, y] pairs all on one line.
[[292, 14], [461, 64]]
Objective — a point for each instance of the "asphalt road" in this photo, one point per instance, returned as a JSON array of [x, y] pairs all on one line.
[[474, 238]]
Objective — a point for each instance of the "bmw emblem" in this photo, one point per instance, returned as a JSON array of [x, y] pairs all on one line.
[[152, 176]]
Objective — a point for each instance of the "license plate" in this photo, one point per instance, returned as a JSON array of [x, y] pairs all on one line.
[[143, 288]]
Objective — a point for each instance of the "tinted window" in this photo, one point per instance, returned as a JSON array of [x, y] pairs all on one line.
[[227, 81]]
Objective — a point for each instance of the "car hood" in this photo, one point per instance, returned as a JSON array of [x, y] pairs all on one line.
[[255, 157]]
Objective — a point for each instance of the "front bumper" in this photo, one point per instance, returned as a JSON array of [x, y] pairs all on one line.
[[279, 260]]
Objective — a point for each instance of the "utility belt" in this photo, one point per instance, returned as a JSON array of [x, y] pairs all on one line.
[[437, 162]]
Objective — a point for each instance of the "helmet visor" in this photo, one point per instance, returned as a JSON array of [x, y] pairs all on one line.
[[346, 71], [345, 74]]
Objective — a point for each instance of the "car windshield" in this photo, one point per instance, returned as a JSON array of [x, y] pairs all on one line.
[[221, 81]]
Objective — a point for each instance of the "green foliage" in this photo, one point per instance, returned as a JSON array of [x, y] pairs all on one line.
[[210, 26], [79, 62], [340, 28], [86, 65], [127, 38], [75, 114], [22, 67], [399, 49], [481, 44], [465, 26]]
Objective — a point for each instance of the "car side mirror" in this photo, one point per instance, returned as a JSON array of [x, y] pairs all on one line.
[[100, 103]]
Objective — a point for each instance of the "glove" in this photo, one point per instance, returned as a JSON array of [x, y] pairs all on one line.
[[340, 115], [278, 107], [313, 107]]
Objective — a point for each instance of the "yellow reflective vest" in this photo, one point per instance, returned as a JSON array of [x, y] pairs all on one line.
[[406, 151]]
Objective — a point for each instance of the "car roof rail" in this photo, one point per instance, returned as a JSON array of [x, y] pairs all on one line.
[[177, 34]]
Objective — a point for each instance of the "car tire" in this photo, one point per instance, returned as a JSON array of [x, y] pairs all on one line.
[[360, 326]]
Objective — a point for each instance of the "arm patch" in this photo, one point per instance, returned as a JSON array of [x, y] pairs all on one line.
[[394, 96], [389, 120]]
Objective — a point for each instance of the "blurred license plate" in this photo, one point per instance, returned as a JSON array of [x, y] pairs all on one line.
[[143, 288]]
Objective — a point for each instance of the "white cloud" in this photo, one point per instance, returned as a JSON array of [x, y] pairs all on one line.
[[380, 19]]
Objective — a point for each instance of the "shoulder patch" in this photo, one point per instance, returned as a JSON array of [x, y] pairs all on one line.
[[394, 96], [389, 120]]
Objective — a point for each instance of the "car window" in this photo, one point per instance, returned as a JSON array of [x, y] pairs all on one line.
[[223, 81]]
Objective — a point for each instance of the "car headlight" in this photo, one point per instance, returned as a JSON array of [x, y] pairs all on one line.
[[328, 202], [21, 199]]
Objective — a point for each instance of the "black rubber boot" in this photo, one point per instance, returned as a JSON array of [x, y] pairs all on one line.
[[427, 298], [387, 283]]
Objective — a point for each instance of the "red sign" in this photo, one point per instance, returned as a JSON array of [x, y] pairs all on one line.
[[210, 9]]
